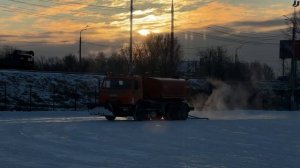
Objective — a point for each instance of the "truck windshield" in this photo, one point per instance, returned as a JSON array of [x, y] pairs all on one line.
[[117, 84]]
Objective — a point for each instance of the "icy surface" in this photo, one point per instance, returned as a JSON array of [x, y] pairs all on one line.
[[78, 140]]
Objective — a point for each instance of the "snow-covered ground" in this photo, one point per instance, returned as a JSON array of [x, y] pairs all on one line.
[[254, 139], [49, 90]]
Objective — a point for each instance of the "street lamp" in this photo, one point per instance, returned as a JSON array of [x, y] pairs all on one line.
[[130, 64], [80, 41], [172, 37]]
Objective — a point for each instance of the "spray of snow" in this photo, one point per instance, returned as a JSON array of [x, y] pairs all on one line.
[[228, 101], [223, 97]]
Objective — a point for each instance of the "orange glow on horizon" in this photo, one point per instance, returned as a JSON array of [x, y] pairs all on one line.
[[63, 22]]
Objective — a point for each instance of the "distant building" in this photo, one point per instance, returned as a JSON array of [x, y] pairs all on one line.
[[20, 59]]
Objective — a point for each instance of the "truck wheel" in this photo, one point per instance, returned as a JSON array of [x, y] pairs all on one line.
[[170, 112], [167, 116], [110, 118], [185, 115], [111, 109], [139, 114], [176, 112], [183, 111], [157, 117]]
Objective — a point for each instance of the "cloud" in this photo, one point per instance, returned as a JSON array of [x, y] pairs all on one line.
[[65, 18], [220, 13], [115, 3], [266, 23], [62, 9], [259, 26]]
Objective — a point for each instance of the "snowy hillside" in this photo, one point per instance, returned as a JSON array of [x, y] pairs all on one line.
[[46, 91], [77, 140], [36, 91]]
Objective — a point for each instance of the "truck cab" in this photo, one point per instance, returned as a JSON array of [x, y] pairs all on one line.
[[120, 94]]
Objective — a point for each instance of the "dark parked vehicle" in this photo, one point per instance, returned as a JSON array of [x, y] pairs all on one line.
[[18, 59]]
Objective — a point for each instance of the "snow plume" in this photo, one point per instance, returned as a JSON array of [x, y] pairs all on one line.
[[223, 97], [230, 101], [226, 100]]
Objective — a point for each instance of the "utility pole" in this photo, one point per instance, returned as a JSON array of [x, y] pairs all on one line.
[[294, 61], [131, 25], [80, 41], [236, 57], [283, 66], [172, 39], [80, 46], [236, 75]]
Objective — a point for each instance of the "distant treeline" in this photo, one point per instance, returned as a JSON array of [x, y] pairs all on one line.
[[215, 62], [153, 57]]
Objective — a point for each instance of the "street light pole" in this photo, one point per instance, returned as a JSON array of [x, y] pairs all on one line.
[[237, 73], [80, 41], [130, 63], [131, 22], [172, 39]]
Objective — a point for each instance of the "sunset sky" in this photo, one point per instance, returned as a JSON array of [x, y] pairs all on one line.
[[51, 27]]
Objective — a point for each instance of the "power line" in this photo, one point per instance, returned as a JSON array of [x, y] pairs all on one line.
[[9, 5], [230, 40], [233, 40], [90, 5], [241, 35], [101, 45], [248, 33], [27, 3], [22, 10], [34, 12], [38, 43]]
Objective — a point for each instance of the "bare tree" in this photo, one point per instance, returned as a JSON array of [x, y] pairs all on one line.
[[117, 64], [213, 62], [216, 63], [153, 56], [70, 63], [6, 60]]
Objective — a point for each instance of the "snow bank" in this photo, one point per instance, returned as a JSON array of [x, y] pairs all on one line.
[[48, 90]]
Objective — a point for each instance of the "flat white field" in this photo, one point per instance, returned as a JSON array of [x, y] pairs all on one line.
[[78, 140]]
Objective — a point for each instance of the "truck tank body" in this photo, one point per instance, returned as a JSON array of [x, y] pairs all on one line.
[[164, 88]]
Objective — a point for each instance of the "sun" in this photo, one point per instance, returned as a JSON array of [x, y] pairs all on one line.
[[144, 32]]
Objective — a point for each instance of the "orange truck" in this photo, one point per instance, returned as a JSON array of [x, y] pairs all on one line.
[[145, 98]]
